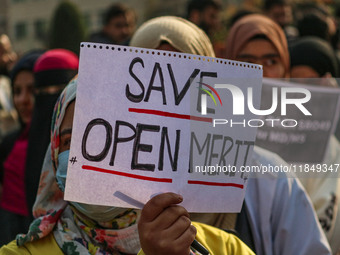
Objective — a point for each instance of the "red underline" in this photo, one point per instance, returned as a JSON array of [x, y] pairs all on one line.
[[170, 114], [240, 186], [135, 176]]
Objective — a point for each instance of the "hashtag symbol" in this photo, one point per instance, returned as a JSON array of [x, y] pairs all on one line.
[[73, 160]]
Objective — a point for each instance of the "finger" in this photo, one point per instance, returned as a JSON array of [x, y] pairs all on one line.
[[169, 216], [184, 241], [157, 204], [177, 228], [163, 244]]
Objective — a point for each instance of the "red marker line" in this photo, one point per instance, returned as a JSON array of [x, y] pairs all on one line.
[[170, 114], [135, 176], [240, 186]]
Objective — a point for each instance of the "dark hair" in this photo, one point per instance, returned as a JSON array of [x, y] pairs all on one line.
[[315, 53], [201, 5], [25, 63], [313, 24], [268, 4], [240, 14], [116, 10]]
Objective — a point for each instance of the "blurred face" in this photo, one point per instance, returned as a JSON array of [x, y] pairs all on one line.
[[210, 19], [303, 72], [23, 95], [120, 28], [282, 14], [66, 128], [263, 52]]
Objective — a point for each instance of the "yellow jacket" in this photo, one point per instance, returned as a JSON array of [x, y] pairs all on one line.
[[215, 240]]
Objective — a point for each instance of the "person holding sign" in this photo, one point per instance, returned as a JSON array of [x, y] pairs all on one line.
[[313, 58], [273, 206], [257, 39], [75, 228]]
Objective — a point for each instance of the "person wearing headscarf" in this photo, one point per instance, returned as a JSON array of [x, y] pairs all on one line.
[[257, 39], [14, 213], [314, 58], [255, 26], [52, 71], [68, 225], [68, 228], [277, 216], [64, 227], [181, 34]]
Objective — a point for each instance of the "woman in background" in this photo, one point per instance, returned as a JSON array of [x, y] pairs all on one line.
[[14, 213], [259, 40], [313, 62]]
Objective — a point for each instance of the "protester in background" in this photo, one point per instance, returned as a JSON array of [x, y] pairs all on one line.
[[14, 213], [316, 20], [53, 70], [74, 228], [314, 58], [7, 56], [205, 14], [281, 11], [257, 39], [119, 23], [277, 216]]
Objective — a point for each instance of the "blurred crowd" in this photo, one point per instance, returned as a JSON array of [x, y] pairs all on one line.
[[279, 216]]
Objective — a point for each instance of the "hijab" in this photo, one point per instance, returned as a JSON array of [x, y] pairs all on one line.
[[52, 213], [179, 33], [73, 231], [315, 53], [187, 38], [26, 63], [54, 67], [254, 25]]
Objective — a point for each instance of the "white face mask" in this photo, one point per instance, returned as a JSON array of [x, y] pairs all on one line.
[[99, 213]]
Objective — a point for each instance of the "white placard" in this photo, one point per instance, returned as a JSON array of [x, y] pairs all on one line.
[[138, 126]]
